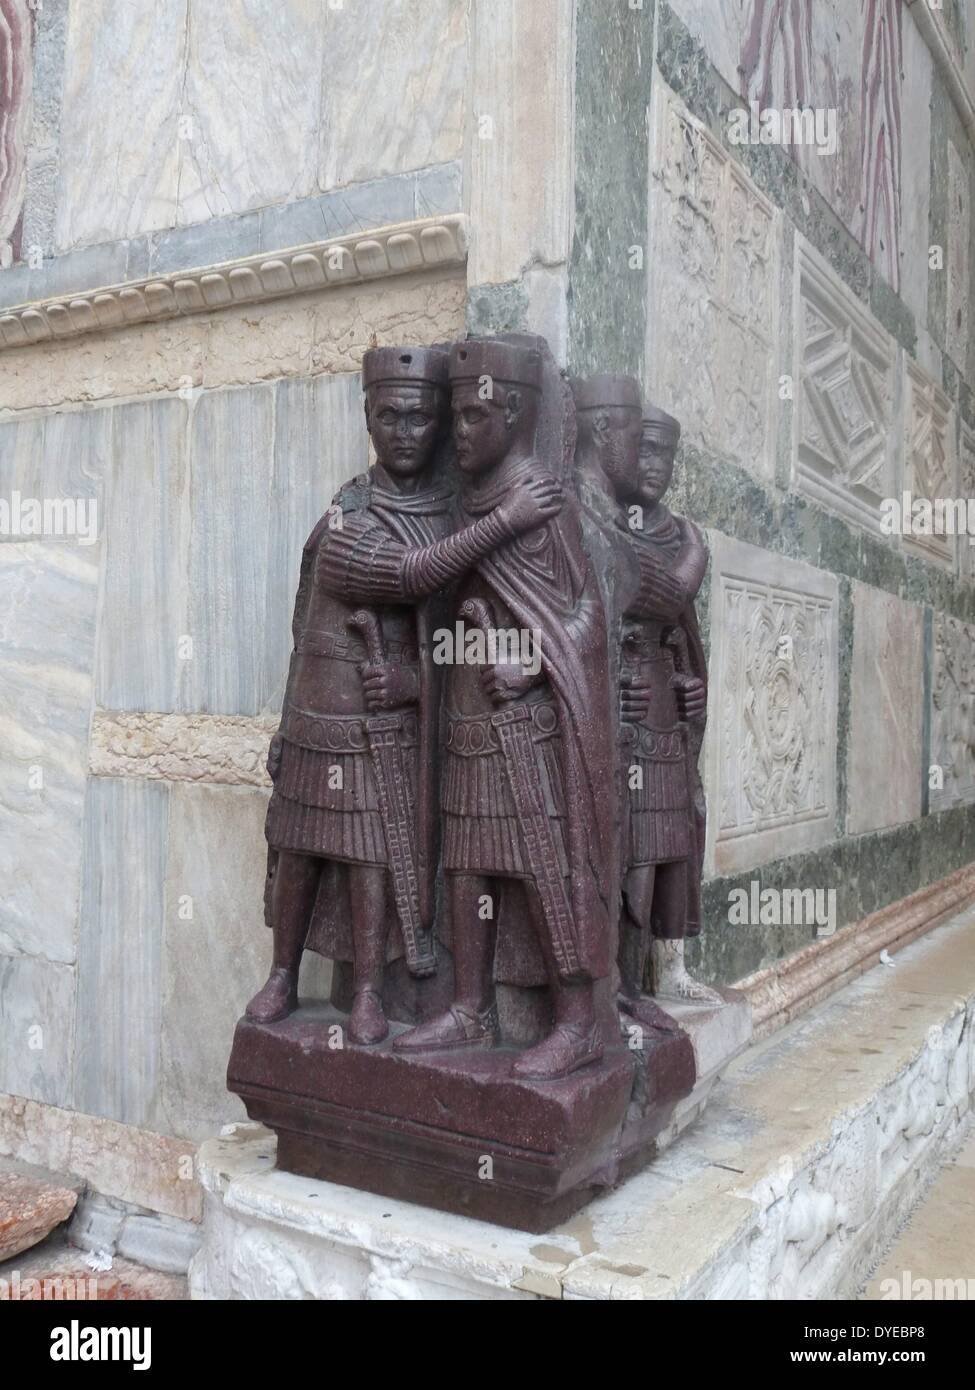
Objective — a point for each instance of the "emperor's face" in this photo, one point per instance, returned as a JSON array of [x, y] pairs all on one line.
[[403, 420], [482, 428], [617, 431], [656, 465]]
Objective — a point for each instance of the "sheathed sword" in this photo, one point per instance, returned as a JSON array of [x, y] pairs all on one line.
[[513, 725], [383, 732]]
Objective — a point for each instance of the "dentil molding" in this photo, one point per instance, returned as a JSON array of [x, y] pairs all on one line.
[[400, 249]]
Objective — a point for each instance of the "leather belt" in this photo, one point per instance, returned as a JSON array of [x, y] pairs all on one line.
[[663, 746], [338, 733], [474, 735]]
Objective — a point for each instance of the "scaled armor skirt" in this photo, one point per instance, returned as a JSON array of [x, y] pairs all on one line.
[[659, 821], [325, 800], [480, 826]]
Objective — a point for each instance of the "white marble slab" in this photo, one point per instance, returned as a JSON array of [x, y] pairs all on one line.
[[887, 711], [393, 89], [116, 1055], [250, 105], [213, 960], [36, 1024], [146, 560], [119, 167]]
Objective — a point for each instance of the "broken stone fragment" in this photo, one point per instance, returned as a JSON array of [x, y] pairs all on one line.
[[29, 1211]]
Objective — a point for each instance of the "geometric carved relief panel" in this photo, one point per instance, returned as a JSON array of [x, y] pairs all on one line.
[[771, 760], [712, 277], [844, 444], [929, 456], [953, 711]]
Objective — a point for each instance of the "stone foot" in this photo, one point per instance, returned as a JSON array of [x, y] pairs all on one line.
[[458, 1027], [565, 1050], [367, 1022], [679, 985], [276, 999], [645, 1011]]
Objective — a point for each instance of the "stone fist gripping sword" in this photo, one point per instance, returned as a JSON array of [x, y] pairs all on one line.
[[513, 726], [383, 733]]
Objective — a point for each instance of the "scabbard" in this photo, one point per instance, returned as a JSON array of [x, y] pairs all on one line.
[[383, 733], [513, 729]]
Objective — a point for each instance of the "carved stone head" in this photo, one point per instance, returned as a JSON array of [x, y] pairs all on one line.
[[658, 447], [609, 412], [406, 398], [494, 398]]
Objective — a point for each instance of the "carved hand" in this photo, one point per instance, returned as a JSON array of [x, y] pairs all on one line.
[[531, 504], [503, 681], [692, 698], [388, 686], [635, 697]]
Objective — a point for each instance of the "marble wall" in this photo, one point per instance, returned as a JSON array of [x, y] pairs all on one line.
[[131, 921], [230, 108]]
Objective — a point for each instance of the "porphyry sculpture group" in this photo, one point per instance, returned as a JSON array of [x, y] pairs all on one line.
[[486, 805]]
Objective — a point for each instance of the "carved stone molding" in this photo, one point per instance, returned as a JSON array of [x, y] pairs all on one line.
[[953, 712], [844, 448], [772, 722], [217, 748], [424, 244], [929, 455], [712, 323], [790, 987]]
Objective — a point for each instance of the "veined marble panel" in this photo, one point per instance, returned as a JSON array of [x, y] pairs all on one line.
[[119, 170], [393, 86], [916, 172], [250, 107], [231, 460], [319, 442], [844, 441], [116, 1054], [929, 456], [144, 612], [953, 712], [48, 597], [15, 115], [958, 259], [966, 489], [884, 772], [771, 743], [36, 1025], [48, 605], [216, 950], [57, 456], [712, 318]]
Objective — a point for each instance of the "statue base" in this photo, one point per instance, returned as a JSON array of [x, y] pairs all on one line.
[[454, 1129]]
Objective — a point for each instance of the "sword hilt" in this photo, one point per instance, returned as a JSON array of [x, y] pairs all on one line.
[[368, 624], [479, 611]]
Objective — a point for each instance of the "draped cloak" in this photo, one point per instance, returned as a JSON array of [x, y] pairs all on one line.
[[546, 582]]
